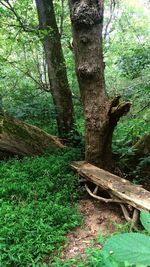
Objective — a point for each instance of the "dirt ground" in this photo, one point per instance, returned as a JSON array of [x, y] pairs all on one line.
[[98, 217]]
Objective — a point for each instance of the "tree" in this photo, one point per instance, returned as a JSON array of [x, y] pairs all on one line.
[[100, 112], [61, 93]]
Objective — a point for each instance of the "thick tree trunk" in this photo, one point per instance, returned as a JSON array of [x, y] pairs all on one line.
[[101, 113], [61, 93], [22, 139]]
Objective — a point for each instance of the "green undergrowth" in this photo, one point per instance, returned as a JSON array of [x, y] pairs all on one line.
[[38, 199], [123, 248]]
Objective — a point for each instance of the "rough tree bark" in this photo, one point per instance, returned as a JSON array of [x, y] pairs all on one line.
[[101, 113], [61, 93]]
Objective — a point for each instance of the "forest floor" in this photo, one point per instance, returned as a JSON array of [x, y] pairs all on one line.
[[99, 219]]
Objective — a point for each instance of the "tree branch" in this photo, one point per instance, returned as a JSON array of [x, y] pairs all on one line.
[[62, 18], [26, 28], [120, 110], [112, 10]]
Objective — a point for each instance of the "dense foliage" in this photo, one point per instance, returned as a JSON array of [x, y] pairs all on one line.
[[38, 195], [37, 207]]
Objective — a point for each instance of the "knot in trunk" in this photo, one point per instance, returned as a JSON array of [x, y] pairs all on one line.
[[84, 14]]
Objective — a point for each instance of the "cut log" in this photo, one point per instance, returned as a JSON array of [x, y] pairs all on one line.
[[22, 139], [119, 188]]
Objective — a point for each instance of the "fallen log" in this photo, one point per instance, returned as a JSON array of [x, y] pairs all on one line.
[[121, 191], [22, 139], [120, 188]]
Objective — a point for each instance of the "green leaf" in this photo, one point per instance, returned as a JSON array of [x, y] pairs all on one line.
[[131, 247], [145, 220]]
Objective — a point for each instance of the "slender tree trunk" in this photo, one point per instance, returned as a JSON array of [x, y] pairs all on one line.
[[61, 93], [101, 113]]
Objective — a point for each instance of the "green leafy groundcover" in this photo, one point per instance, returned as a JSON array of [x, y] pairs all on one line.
[[120, 250], [37, 198]]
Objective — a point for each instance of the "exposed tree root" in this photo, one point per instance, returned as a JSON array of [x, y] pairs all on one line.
[[106, 200]]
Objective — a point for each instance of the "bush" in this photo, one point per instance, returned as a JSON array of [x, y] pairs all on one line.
[[134, 61]]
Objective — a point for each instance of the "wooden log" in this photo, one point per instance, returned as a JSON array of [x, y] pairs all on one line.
[[22, 139], [120, 188]]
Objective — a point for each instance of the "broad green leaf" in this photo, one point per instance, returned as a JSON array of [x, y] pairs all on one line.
[[145, 220], [131, 247]]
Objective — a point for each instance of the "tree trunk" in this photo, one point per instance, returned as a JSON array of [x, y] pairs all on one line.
[[61, 93], [101, 113], [22, 139]]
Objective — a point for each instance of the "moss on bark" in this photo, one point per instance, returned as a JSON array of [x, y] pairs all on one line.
[[19, 138]]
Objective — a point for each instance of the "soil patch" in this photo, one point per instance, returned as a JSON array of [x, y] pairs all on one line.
[[98, 217]]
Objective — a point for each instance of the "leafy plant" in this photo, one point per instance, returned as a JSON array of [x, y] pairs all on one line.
[[133, 248], [134, 61], [145, 220]]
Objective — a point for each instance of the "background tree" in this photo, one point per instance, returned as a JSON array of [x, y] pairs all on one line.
[[50, 37], [60, 90]]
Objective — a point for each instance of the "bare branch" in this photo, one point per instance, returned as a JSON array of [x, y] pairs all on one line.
[[62, 18], [106, 200], [146, 106], [112, 10], [10, 7], [42, 86], [4, 4], [25, 27]]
